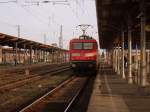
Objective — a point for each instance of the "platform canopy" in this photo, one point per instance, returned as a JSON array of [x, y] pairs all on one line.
[[11, 41], [113, 17]]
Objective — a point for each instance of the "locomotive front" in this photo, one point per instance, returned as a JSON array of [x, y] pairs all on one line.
[[83, 53]]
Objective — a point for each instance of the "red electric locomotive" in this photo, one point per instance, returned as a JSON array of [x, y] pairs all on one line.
[[84, 53]]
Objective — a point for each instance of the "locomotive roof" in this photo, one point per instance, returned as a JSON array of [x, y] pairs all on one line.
[[82, 40]]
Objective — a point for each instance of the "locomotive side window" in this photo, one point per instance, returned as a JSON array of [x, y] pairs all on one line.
[[87, 45], [77, 46]]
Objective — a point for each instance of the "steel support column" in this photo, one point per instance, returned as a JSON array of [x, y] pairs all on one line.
[[58, 55], [52, 56], [65, 56], [148, 61], [1, 54], [31, 54], [136, 65], [122, 56], [4, 57], [44, 53], [40, 55], [16, 53], [24, 46], [118, 59], [143, 53], [49, 56], [40, 58], [130, 80], [36, 55], [115, 59], [136, 59], [108, 57], [62, 57], [111, 57]]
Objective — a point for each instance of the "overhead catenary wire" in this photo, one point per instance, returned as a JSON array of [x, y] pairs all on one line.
[[61, 19], [10, 24], [53, 15], [25, 9], [48, 18], [43, 17], [10, 1], [74, 13], [78, 4], [33, 15], [54, 2], [36, 16], [39, 13], [57, 2], [45, 22], [22, 27]]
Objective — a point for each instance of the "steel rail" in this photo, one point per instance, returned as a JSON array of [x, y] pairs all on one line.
[[28, 79], [75, 97], [49, 93]]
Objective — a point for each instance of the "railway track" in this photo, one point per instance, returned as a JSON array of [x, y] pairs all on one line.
[[21, 71], [60, 99], [21, 82]]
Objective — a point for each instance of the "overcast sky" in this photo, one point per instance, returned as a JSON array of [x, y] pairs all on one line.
[[37, 20]]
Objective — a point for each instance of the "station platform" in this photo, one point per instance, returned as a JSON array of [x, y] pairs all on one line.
[[113, 94]]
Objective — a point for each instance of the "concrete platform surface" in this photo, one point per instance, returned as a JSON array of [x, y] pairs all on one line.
[[113, 94]]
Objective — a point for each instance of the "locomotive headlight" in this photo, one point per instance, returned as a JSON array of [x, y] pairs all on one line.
[[73, 65], [90, 54]]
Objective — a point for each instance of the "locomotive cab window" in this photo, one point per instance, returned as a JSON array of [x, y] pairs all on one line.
[[87, 45], [77, 46], [82, 45]]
